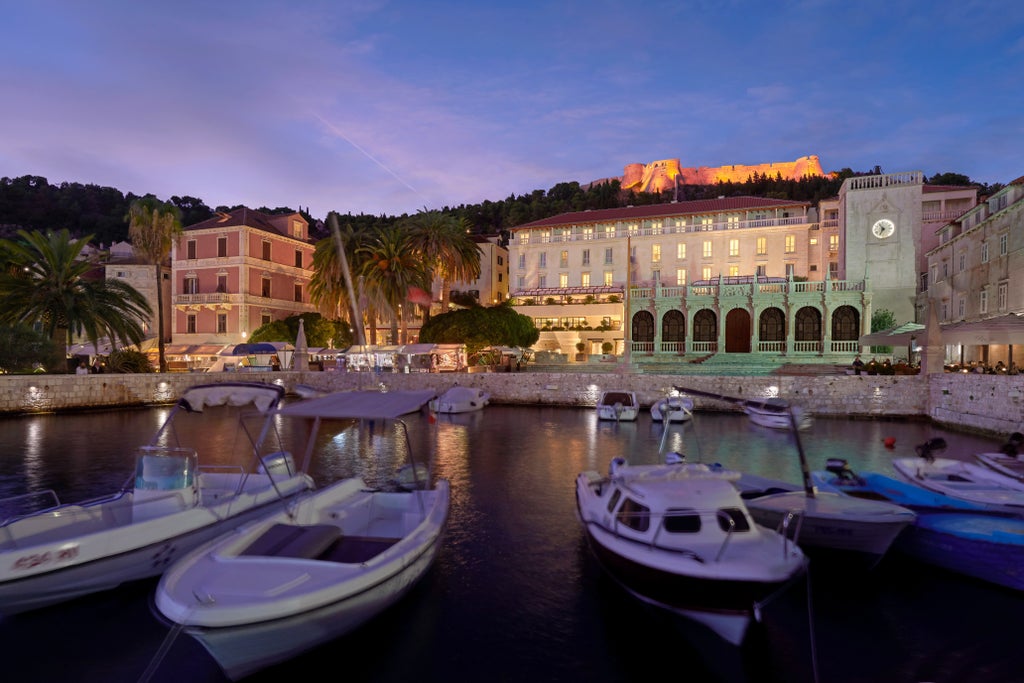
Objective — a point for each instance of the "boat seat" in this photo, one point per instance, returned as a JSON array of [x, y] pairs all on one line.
[[358, 549], [290, 540]]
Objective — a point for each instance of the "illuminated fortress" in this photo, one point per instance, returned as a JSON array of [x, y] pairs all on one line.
[[667, 174]]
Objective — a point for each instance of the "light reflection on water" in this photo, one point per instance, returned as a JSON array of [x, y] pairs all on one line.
[[515, 594]]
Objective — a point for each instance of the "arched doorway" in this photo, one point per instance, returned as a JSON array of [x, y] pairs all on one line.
[[807, 329], [643, 331], [737, 331], [845, 324], [705, 330], [771, 330]]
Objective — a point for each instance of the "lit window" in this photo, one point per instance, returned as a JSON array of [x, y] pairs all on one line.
[[762, 246], [681, 252], [707, 249], [680, 276], [734, 247], [705, 273], [790, 244], [734, 271], [584, 279], [563, 280], [655, 253], [609, 278]]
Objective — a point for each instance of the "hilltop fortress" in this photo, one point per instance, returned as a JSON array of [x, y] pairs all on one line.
[[667, 174]]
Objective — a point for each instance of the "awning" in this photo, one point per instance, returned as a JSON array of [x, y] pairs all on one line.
[[1004, 329], [900, 335]]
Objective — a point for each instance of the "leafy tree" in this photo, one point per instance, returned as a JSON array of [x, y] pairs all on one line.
[[21, 348], [45, 282], [320, 331], [481, 326], [882, 319], [950, 179], [391, 265], [153, 227], [444, 244]]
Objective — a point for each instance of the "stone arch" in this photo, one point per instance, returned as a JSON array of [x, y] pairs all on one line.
[[673, 326], [808, 324], [771, 325], [643, 327], [845, 324], [705, 326], [737, 331]]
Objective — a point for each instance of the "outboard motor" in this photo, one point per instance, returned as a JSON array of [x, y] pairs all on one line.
[[844, 474], [928, 448]]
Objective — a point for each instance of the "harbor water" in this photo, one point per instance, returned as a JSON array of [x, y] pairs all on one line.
[[515, 594]]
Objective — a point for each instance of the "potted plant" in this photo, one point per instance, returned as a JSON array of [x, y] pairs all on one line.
[[580, 348]]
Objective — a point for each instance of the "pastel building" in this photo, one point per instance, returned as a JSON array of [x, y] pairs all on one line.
[[237, 271]]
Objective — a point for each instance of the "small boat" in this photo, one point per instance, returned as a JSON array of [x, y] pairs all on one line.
[[619, 405], [679, 536], [1006, 461], [460, 400], [320, 567], [961, 479], [172, 504], [954, 534], [775, 413], [672, 409]]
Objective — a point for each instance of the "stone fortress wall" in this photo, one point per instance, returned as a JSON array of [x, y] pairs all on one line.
[[658, 176], [985, 404]]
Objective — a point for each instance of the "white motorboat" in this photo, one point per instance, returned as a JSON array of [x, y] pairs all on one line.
[[774, 412], [460, 399], [172, 504], [679, 536], [1007, 461], [329, 562], [672, 409], [961, 479], [620, 405]]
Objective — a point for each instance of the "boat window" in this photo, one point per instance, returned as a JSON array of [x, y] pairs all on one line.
[[739, 520], [682, 521], [634, 515], [614, 500]]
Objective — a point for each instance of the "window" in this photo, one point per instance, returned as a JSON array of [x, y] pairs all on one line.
[[609, 278], [814, 241], [609, 231], [790, 244], [707, 249], [584, 279], [734, 247], [682, 521], [962, 261], [563, 259], [542, 281], [705, 273], [520, 282], [1003, 244], [608, 255], [634, 515], [222, 247], [222, 283], [655, 253], [298, 292], [298, 258], [762, 246], [190, 249], [190, 323], [814, 268], [681, 277], [522, 262], [563, 280], [222, 323], [191, 284], [705, 223], [833, 270], [297, 229], [1001, 296], [961, 306], [586, 257], [501, 260], [984, 252], [681, 251], [833, 242], [265, 319], [734, 271], [656, 275], [265, 291], [499, 276], [732, 518], [983, 301], [732, 222], [790, 270], [266, 250], [542, 259], [761, 270]]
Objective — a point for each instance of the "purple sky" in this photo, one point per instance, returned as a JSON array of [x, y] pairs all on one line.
[[389, 107]]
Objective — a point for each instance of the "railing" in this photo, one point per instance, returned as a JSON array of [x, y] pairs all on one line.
[[704, 346], [524, 238], [210, 298], [888, 180], [846, 346], [673, 347], [771, 346], [642, 347], [807, 346]]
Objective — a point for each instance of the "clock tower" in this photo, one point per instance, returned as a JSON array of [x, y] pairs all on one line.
[[880, 236]]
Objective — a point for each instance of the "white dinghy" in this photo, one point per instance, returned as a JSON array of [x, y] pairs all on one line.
[[172, 504], [315, 571]]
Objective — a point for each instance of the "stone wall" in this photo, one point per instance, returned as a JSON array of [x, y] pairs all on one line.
[[988, 404]]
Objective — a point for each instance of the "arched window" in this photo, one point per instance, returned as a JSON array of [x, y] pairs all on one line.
[[673, 327], [705, 326], [845, 324], [808, 324], [643, 327], [772, 325]]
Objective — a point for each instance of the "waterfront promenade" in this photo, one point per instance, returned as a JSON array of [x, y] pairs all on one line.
[[985, 404]]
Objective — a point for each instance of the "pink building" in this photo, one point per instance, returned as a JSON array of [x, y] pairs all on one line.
[[237, 271]]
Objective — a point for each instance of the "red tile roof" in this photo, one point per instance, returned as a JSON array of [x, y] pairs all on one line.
[[238, 217], [657, 210]]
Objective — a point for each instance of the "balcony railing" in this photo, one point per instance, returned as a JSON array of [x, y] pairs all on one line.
[[622, 231]]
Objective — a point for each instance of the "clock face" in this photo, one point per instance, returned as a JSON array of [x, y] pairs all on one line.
[[883, 228]]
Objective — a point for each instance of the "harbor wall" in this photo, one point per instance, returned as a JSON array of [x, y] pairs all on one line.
[[987, 404]]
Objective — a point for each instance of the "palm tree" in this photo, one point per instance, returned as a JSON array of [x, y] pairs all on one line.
[[391, 267], [443, 242], [153, 227], [45, 282], [329, 287]]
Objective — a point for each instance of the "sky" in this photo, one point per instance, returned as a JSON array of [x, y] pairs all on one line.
[[387, 107]]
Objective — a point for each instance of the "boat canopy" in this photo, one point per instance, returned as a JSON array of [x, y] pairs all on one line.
[[262, 396], [366, 405]]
